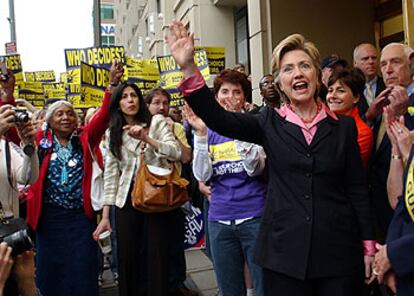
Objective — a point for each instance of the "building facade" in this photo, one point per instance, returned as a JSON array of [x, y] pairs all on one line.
[[104, 22], [250, 29]]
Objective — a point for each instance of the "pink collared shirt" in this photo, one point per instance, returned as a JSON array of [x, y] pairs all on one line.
[[308, 131]]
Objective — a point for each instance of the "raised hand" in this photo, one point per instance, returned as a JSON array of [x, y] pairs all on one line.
[[27, 132], [181, 45], [389, 118], [404, 137], [116, 72], [398, 100], [7, 119], [8, 85], [377, 105], [196, 122]]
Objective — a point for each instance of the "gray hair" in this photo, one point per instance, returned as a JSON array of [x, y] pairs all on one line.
[[407, 50], [52, 108], [358, 47]]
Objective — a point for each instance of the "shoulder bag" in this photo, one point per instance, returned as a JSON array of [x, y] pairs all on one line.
[[159, 191]]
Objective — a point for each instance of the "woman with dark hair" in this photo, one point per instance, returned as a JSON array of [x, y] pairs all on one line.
[[234, 170], [59, 203], [316, 222], [345, 89], [131, 126]]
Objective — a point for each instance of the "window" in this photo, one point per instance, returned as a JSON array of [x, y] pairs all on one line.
[[107, 12], [242, 38], [108, 40]]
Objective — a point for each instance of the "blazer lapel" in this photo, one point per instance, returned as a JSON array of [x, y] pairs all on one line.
[[294, 133], [324, 129]]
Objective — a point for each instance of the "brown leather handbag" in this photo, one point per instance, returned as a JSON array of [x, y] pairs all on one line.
[[153, 193]]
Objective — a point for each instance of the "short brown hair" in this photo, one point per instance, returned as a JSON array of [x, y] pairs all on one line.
[[156, 91], [233, 77], [353, 78]]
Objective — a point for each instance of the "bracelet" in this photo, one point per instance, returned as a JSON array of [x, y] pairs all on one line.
[[113, 84], [396, 156]]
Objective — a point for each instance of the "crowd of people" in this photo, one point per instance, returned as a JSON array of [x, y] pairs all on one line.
[[310, 193]]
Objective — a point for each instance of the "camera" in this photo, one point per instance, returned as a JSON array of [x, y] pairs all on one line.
[[19, 241], [21, 116]]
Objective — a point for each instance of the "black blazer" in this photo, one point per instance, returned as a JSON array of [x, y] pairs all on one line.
[[317, 207]]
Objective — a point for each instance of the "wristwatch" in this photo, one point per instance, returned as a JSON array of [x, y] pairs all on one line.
[[29, 149]]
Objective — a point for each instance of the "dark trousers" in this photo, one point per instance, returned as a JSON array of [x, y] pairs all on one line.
[[131, 259], [178, 268], [159, 236], [282, 285]]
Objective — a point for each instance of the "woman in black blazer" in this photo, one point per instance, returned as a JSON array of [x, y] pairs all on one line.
[[316, 223]]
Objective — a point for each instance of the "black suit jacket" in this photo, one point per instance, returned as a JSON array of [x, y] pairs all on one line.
[[317, 206], [363, 104]]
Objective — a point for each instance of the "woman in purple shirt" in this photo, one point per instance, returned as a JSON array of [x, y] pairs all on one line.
[[237, 190]]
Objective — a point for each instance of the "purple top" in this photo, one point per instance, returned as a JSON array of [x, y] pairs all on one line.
[[234, 194]]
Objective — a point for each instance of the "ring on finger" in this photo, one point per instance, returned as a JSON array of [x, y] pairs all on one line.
[[374, 272], [400, 131]]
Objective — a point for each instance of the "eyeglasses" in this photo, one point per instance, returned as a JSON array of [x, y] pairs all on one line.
[[267, 83]]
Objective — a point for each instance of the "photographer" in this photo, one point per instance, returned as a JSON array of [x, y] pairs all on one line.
[[7, 98], [16, 166], [21, 269]]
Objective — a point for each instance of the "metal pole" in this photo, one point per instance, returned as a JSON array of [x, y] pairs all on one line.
[[12, 21], [97, 22]]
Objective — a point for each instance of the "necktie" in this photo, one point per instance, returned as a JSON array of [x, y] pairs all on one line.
[[369, 93]]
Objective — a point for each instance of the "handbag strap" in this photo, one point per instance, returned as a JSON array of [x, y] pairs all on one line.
[[8, 165], [92, 153]]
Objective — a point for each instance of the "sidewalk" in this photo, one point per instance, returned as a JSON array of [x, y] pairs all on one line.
[[200, 276], [200, 273]]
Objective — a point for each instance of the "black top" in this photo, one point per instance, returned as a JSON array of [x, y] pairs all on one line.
[[317, 209]]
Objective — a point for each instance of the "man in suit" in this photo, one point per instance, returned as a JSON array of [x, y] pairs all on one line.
[[365, 59], [395, 68], [394, 260]]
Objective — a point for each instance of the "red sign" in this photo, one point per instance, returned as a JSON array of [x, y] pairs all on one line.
[[11, 47]]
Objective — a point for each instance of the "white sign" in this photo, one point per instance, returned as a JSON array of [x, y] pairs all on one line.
[[107, 29]]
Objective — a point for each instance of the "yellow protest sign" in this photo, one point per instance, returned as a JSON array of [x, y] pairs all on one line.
[[14, 63], [63, 77], [144, 69], [177, 99], [73, 75], [54, 85], [216, 58], [33, 93], [98, 56], [29, 76], [170, 72], [94, 76], [93, 82], [90, 97], [143, 72], [40, 76]]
